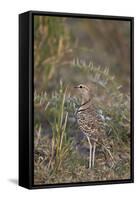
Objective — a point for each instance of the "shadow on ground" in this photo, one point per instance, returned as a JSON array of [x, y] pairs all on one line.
[[14, 181]]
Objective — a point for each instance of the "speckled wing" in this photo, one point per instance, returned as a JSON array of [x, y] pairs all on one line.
[[90, 123]]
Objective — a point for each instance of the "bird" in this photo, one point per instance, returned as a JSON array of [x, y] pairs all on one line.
[[90, 122]]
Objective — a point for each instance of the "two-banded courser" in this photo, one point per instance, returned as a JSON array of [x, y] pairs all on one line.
[[90, 122]]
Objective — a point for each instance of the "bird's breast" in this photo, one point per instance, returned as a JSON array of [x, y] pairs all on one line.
[[88, 121]]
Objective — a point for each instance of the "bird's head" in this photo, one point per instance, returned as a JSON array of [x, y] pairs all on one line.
[[84, 92]]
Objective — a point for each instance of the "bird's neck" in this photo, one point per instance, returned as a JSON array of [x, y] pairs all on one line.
[[85, 98], [85, 104]]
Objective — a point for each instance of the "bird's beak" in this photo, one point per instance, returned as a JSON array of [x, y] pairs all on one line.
[[75, 86]]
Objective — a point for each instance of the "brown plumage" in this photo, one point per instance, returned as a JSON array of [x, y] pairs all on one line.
[[90, 122]]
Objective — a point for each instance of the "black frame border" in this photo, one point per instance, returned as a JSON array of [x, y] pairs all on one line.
[[30, 126]]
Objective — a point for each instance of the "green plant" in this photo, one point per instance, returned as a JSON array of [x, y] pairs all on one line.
[[55, 109], [61, 144]]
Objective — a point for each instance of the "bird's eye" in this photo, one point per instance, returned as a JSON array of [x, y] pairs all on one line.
[[80, 86]]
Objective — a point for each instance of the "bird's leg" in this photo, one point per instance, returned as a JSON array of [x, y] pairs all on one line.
[[93, 156], [90, 151]]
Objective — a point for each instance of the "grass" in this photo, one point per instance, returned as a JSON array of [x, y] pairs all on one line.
[[61, 146], [61, 151]]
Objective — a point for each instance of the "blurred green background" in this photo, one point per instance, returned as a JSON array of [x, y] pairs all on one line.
[[59, 40]]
